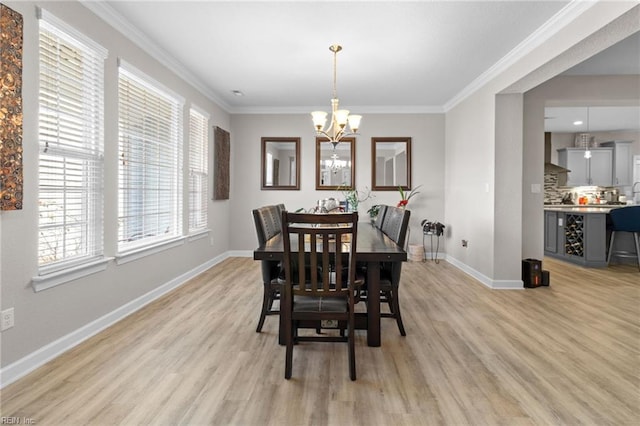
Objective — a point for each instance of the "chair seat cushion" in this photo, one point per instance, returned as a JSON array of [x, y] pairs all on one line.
[[319, 304]]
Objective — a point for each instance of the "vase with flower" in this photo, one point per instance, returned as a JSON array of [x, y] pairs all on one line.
[[373, 212], [405, 197], [355, 197]]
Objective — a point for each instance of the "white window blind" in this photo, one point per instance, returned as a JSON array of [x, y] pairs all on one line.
[[70, 133], [150, 158], [198, 170]]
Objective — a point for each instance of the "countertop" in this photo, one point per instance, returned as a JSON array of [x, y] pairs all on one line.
[[589, 208]]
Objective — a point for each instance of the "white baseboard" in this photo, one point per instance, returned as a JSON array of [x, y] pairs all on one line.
[[240, 253], [27, 364], [437, 255], [488, 282]]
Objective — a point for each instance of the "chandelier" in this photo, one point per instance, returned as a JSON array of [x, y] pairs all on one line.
[[335, 163], [339, 117]]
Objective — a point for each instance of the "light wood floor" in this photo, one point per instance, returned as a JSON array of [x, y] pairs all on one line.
[[563, 355]]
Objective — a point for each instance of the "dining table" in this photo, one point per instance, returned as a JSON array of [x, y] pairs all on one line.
[[372, 248]]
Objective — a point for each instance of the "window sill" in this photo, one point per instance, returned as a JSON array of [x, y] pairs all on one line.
[[130, 256], [43, 282], [198, 235]]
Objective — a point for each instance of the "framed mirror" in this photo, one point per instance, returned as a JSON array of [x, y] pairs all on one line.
[[280, 166], [390, 164], [335, 167]]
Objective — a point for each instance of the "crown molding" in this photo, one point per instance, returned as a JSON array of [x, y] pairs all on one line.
[[561, 19], [117, 21], [567, 14], [389, 109]]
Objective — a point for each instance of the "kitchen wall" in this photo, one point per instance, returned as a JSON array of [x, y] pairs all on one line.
[[562, 140], [621, 89], [552, 192]]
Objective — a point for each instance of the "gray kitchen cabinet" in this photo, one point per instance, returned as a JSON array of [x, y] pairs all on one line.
[[550, 231], [597, 170], [622, 170], [579, 237]]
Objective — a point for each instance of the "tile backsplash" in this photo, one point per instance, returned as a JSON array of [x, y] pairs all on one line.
[[553, 193]]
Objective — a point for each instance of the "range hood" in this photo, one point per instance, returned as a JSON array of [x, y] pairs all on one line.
[[548, 165], [554, 168]]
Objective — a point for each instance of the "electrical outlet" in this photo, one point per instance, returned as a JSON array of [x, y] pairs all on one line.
[[465, 243], [7, 319]]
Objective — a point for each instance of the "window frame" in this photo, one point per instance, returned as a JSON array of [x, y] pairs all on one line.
[[68, 133], [198, 172], [138, 80]]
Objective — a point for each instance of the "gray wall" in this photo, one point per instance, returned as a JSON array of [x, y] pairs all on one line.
[[478, 199], [43, 317], [427, 152], [455, 157]]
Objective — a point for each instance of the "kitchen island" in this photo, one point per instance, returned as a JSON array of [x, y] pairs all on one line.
[[577, 234]]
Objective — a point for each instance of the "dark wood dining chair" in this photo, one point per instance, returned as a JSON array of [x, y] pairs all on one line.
[[278, 219], [382, 210], [395, 226], [315, 247], [268, 224], [396, 223]]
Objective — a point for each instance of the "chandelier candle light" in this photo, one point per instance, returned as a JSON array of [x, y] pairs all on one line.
[[339, 117]]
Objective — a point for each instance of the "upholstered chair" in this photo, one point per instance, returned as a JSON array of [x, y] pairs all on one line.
[[268, 224], [625, 219], [395, 225]]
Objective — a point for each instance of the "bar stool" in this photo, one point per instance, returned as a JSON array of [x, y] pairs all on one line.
[[625, 219]]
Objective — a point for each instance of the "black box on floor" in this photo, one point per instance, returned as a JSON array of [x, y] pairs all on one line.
[[532, 273], [545, 278]]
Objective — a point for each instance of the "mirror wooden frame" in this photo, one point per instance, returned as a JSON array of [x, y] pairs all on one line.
[[383, 186], [263, 163], [320, 142]]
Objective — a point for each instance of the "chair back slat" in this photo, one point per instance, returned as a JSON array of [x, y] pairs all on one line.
[[395, 226], [326, 244], [380, 218], [268, 222], [396, 223]]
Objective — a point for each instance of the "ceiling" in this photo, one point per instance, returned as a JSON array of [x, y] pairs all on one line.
[[622, 58], [400, 56], [591, 119], [405, 55]]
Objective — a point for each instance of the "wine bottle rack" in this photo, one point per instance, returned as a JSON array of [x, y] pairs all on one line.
[[574, 235]]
